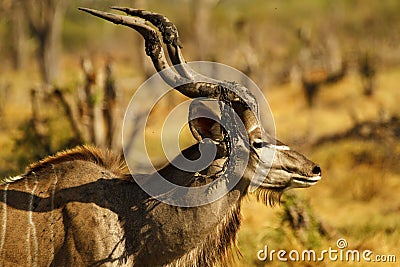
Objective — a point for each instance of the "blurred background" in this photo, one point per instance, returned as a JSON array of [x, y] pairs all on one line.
[[329, 69]]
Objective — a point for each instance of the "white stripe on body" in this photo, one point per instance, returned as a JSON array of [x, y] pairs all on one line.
[[32, 229], [3, 220], [52, 221]]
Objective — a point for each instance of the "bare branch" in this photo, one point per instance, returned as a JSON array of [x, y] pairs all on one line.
[[69, 114], [110, 105], [367, 130]]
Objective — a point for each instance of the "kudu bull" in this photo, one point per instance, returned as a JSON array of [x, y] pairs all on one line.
[[82, 207]]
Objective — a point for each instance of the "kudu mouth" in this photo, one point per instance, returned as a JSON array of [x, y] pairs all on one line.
[[306, 181]]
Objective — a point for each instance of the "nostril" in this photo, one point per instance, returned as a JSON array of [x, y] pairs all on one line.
[[316, 170]]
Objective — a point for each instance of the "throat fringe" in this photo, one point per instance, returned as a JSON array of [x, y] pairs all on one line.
[[218, 247]]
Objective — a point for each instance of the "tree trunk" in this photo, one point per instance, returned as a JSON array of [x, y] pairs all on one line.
[[18, 36], [45, 19], [201, 11]]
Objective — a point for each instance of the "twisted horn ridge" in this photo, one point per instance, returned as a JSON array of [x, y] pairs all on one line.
[[185, 80], [170, 36]]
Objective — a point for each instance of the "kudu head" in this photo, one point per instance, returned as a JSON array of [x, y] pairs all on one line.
[[272, 166]]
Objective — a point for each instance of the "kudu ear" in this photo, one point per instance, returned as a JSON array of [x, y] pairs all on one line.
[[204, 120]]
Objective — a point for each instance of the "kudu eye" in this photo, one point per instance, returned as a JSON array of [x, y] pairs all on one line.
[[258, 144]]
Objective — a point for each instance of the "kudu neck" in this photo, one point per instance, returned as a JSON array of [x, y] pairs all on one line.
[[179, 176]]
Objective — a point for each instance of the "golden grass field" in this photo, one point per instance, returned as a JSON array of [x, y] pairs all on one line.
[[357, 199], [357, 196]]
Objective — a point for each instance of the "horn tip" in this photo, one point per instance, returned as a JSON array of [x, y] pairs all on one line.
[[88, 10], [83, 8], [118, 8]]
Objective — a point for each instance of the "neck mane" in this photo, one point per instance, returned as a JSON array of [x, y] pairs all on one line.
[[101, 157]]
